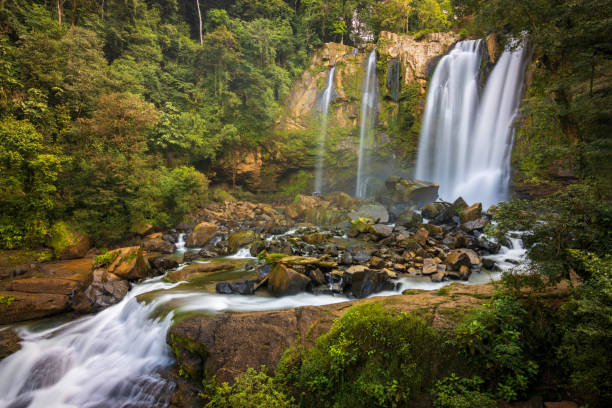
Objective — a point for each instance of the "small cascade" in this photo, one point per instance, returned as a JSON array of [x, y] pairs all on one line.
[[180, 243], [369, 110], [324, 109], [466, 140]]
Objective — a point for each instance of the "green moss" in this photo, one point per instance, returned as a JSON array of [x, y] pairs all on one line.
[[7, 300], [61, 237], [445, 291], [180, 346], [129, 257], [105, 259]]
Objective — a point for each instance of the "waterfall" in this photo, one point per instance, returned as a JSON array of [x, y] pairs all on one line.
[[466, 140], [369, 104], [324, 109]]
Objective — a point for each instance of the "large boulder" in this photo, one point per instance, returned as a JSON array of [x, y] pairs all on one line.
[[359, 253], [105, 290], [68, 243], [155, 243], [399, 192], [129, 263], [409, 218], [240, 287], [202, 233], [455, 259], [162, 263], [366, 281], [284, 281], [473, 212], [376, 212], [240, 239], [20, 306], [301, 205], [192, 271], [361, 225]]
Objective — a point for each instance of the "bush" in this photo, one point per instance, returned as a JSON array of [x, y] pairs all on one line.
[[371, 357], [252, 389], [456, 392]]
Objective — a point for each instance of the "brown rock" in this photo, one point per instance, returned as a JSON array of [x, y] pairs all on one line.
[[58, 286], [474, 257], [21, 306], [192, 271], [105, 290], [9, 343], [129, 264], [473, 212], [284, 281], [421, 236], [153, 243], [429, 266], [201, 234], [433, 229], [457, 258]]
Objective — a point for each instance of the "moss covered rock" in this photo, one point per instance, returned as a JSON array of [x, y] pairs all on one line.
[[240, 239], [129, 263], [202, 233], [67, 243]]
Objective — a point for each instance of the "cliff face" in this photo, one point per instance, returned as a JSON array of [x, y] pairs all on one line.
[[403, 66]]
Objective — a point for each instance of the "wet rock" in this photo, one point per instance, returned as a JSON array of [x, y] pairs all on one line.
[[299, 208], [313, 238], [464, 271], [155, 243], [192, 271], [432, 210], [456, 240], [361, 225], [129, 264], [240, 287], [105, 290], [409, 218], [488, 263], [191, 256], [257, 247], [433, 229], [459, 205], [430, 266], [421, 236], [477, 224], [456, 259], [67, 243], [240, 239], [490, 246], [341, 200], [202, 233], [438, 277], [369, 281], [316, 276], [472, 255], [359, 253], [284, 281], [9, 343], [263, 271], [408, 192], [322, 290], [376, 212], [162, 263], [345, 258], [21, 306], [58, 286], [471, 213]]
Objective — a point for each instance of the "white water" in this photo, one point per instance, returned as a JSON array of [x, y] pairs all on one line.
[[324, 109], [369, 105], [466, 140], [180, 243], [243, 253]]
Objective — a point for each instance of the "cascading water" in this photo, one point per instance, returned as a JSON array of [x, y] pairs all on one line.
[[324, 109], [369, 109], [466, 141]]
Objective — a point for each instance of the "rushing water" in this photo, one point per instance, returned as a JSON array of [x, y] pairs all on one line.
[[369, 108], [113, 358], [466, 140], [324, 109]]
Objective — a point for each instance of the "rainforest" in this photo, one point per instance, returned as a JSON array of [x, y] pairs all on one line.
[[315, 203]]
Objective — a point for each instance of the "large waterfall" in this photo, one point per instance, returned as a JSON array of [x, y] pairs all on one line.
[[324, 109], [369, 105], [466, 139]]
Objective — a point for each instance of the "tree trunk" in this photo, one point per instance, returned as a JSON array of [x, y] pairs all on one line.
[[200, 18], [73, 17], [60, 4], [2, 4]]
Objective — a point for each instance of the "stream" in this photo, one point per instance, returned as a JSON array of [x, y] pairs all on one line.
[[114, 358]]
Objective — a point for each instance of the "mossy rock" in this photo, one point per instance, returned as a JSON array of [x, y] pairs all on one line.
[[67, 242], [362, 225], [237, 240]]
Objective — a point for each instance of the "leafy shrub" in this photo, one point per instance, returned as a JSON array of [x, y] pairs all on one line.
[[252, 389], [457, 392], [491, 340], [371, 357], [587, 328]]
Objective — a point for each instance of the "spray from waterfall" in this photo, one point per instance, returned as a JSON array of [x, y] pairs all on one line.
[[466, 140], [369, 104], [324, 109]]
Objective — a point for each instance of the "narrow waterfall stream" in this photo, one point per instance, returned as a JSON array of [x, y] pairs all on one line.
[[369, 106], [114, 358], [466, 140], [324, 102]]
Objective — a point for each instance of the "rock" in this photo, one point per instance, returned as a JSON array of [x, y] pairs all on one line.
[[456, 240], [191, 256], [142, 228], [322, 290], [202, 233], [399, 191], [490, 246], [129, 264], [105, 290], [472, 255], [421, 236], [58, 286], [317, 276], [430, 266], [67, 243], [376, 212], [377, 263], [345, 258], [409, 218], [192, 271], [240, 287], [263, 271], [362, 225], [471, 213], [21, 306], [284, 281], [154, 243], [433, 229], [359, 253], [162, 263], [9, 343], [464, 271], [457, 258], [438, 277], [300, 206], [459, 205], [356, 268], [491, 43], [314, 238], [383, 230], [432, 210], [477, 224], [237, 240], [369, 281], [488, 263]]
